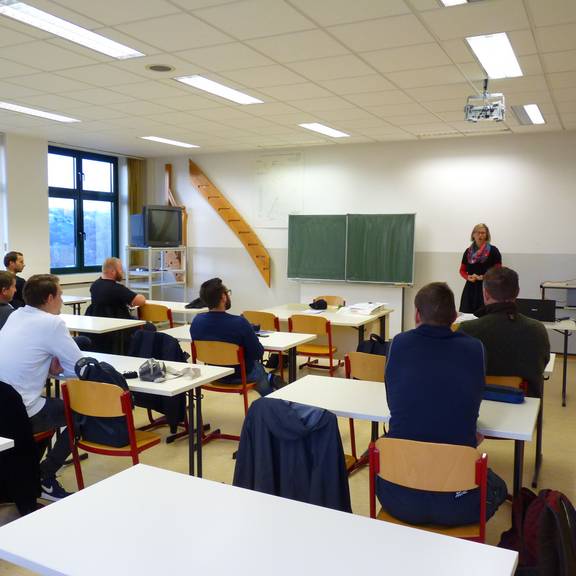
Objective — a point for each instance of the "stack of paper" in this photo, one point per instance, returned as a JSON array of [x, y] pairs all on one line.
[[367, 308]]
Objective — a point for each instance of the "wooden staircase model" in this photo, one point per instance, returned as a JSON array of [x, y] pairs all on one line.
[[233, 218]]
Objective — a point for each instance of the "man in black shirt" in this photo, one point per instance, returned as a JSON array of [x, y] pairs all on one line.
[[14, 262]]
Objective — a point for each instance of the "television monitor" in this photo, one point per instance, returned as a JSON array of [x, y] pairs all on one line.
[[157, 226]]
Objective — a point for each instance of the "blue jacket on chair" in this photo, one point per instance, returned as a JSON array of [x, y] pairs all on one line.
[[294, 451]]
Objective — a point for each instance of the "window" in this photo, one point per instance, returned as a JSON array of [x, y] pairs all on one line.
[[83, 209]]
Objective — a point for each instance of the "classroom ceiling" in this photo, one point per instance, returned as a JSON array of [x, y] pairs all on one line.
[[380, 70]]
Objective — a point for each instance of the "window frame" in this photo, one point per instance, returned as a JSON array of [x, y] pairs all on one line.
[[79, 195]]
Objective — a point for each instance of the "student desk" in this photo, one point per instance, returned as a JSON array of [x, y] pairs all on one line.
[[178, 307], [172, 387], [566, 327], [149, 521], [98, 325], [271, 341], [366, 400], [6, 443], [75, 301], [346, 319]]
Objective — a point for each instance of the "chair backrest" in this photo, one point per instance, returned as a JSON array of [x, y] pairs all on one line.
[[266, 320], [428, 466], [309, 324], [96, 398], [362, 366], [155, 313], [217, 353], [510, 381], [332, 300]]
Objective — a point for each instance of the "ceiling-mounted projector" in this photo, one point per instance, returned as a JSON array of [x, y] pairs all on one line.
[[487, 107]]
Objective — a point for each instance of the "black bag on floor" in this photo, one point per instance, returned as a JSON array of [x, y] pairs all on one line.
[[374, 345], [109, 431]]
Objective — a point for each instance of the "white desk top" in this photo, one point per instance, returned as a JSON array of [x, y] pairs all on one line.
[[179, 307], [70, 299], [97, 325], [366, 400], [549, 370], [6, 443], [151, 521], [172, 386], [276, 341], [567, 284], [565, 325], [336, 318]]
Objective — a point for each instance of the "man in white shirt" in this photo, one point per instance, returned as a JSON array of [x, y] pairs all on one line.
[[34, 343]]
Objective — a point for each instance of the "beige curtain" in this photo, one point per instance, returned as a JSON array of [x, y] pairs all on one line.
[[136, 185]]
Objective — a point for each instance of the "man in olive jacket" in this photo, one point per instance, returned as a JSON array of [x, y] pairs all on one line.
[[515, 345]]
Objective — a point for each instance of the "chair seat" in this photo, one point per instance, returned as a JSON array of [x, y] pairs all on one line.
[[143, 440], [223, 387], [315, 350], [469, 531]]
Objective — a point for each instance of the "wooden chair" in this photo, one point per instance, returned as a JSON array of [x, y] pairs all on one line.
[[433, 467], [510, 381], [222, 354], [308, 324], [332, 300], [361, 366], [156, 313], [105, 401], [266, 321]]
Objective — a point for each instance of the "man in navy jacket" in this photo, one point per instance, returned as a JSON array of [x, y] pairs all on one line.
[[434, 385], [218, 325]]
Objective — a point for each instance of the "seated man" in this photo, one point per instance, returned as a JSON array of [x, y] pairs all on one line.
[[14, 262], [515, 345], [434, 385], [35, 343], [7, 290], [218, 325]]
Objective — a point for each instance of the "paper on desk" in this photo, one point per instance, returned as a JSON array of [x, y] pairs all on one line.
[[464, 317], [312, 311], [366, 308]]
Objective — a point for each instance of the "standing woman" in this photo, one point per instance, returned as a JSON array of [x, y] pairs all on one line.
[[476, 261]]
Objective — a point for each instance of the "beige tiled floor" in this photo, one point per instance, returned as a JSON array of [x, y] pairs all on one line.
[[225, 411]]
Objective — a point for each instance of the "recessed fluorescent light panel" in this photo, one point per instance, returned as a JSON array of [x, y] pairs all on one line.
[[59, 27], [326, 130], [453, 2], [218, 89], [495, 53], [34, 112], [171, 142], [529, 114]]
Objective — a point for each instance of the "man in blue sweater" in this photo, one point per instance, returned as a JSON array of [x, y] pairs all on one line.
[[220, 326], [434, 385]]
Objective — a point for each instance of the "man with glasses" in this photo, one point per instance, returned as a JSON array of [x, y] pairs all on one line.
[[220, 326]]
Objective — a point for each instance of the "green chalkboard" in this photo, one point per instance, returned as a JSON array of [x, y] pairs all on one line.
[[317, 247], [380, 248]]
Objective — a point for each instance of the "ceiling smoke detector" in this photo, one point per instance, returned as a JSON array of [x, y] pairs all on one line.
[[160, 68]]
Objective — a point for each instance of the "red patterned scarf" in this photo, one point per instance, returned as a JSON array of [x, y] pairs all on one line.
[[475, 254]]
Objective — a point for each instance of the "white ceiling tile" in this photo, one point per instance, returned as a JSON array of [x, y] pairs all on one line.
[[358, 85], [101, 75], [421, 5], [96, 113], [225, 57], [523, 42], [380, 98], [10, 37], [565, 94], [139, 108], [50, 83], [9, 68], [434, 129], [139, 66], [197, 4], [458, 50], [559, 61], [330, 12], [540, 98], [383, 33], [392, 110], [473, 72], [259, 77], [150, 90], [111, 12], [52, 102], [293, 119], [99, 96], [426, 77], [562, 79], [332, 68], [476, 18], [431, 93], [322, 104], [222, 114], [44, 55], [452, 116], [552, 11], [271, 109], [296, 92], [13, 90], [349, 116], [557, 38], [407, 58], [256, 18], [440, 106], [414, 119], [531, 65], [175, 32], [564, 108], [521, 84], [299, 46], [56, 9]]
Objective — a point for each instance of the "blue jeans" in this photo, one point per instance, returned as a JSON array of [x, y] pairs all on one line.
[[258, 375]]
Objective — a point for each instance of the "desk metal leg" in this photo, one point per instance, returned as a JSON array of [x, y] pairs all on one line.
[[292, 369], [564, 367], [199, 429], [383, 327], [374, 431], [361, 330], [518, 466], [191, 470], [538, 459]]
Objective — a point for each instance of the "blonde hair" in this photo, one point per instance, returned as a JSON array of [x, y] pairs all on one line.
[[110, 264], [481, 225]]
